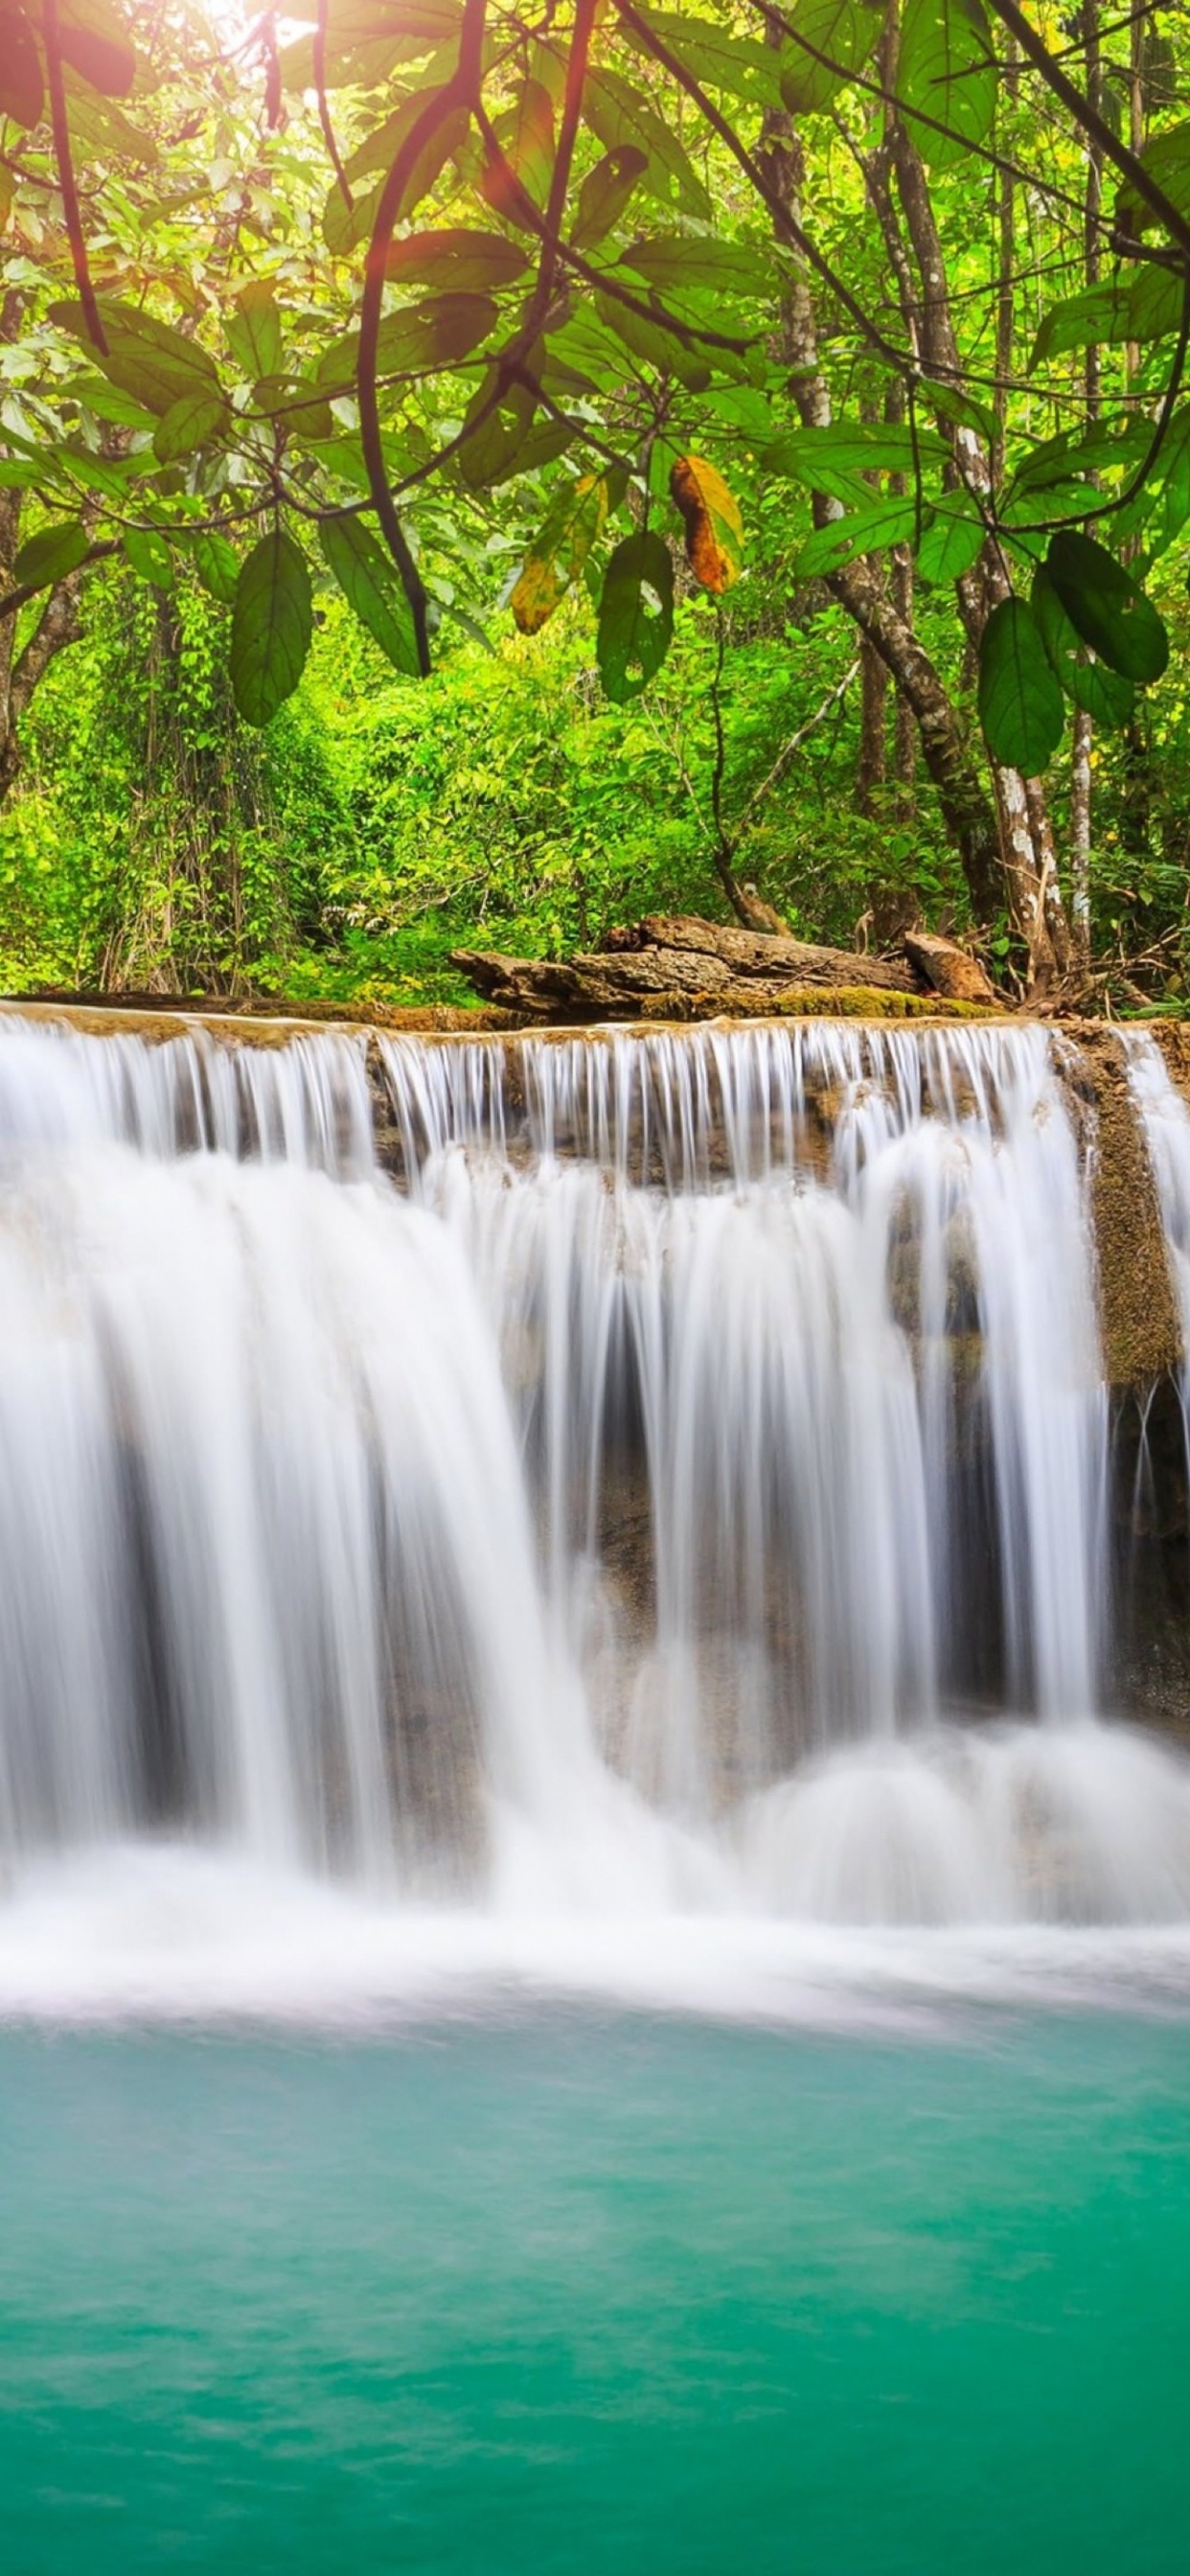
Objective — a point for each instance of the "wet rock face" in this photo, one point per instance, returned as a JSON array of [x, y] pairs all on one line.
[[1141, 1331], [1149, 1503]]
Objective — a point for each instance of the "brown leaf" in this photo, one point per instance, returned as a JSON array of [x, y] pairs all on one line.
[[711, 517]]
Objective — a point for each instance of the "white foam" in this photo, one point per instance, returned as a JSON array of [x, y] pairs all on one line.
[[945, 1889]]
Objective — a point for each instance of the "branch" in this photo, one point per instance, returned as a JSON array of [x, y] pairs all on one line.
[[461, 91], [794, 744], [788, 228], [18, 599], [324, 113], [689, 333], [1092, 123], [60, 124], [572, 108], [56, 627]]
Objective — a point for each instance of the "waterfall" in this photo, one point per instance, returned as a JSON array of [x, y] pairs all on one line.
[[1165, 1122], [620, 1471]]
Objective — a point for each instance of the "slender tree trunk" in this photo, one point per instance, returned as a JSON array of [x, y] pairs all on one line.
[[1080, 760], [21, 671], [1034, 896], [874, 682], [968, 813], [904, 721]]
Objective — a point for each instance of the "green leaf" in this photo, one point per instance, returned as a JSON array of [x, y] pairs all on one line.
[[370, 582], [834, 460], [368, 40], [99, 127], [559, 551], [1021, 706], [950, 545], [674, 261], [22, 95], [148, 359], [862, 532], [50, 555], [491, 452], [216, 564], [845, 31], [605, 193], [344, 227], [636, 615], [433, 333], [272, 621], [964, 410], [617, 113], [946, 67], [95, 42], [1090, 684], [1175, 491], [1096, 317], [464, 262], [525, 134], [543, 445], [254, 331], [1105, 448], [1155, 303], [650, 342], [149, 556], [740, 65], [187, 425], [1107, 607], [1166, 158], [108, 403], [295, 405]]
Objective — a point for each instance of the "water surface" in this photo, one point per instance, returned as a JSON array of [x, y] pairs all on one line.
[[594, 2292]]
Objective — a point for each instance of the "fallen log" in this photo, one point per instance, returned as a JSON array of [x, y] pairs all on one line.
[[951, 970], [680, 985], [776, 958], [606, 987]]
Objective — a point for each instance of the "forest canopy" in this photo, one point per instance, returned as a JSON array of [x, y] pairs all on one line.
[[781, 369]]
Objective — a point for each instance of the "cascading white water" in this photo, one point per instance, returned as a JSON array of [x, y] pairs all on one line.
[[615, 1509], [1165, 1120]]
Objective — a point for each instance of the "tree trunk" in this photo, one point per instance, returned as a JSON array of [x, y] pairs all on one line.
[[1080, 759], [58, 625], [992, 839]]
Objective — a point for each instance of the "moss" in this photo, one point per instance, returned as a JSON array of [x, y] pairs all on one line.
[[1138, 1314], [804, 1002]]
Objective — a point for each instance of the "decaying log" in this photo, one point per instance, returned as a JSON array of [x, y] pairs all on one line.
[[951, 970], [756, 952], [681, 968]]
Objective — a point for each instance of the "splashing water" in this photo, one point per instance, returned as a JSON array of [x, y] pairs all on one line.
[[572, 1477]]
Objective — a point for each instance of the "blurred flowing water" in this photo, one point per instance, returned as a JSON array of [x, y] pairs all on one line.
[[628, 1477], [585, 1979]]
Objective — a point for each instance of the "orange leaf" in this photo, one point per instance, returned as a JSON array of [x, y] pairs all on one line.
[[711, 516]]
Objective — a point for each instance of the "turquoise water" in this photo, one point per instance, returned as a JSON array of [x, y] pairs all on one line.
[[590, 2295]]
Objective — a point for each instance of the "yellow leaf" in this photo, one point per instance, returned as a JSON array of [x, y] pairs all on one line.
[[711, 516], [558, 553]]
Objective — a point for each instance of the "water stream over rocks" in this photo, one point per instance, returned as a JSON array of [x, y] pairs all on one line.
[[628, 1476]]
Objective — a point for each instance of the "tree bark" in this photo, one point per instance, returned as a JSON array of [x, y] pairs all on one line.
[[1026, 841], [21, 671], [1081, 746], [993, 839]]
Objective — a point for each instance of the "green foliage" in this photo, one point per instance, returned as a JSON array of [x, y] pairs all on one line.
[[635, 615], [1020, 702], [272, 622], [690, 378]]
